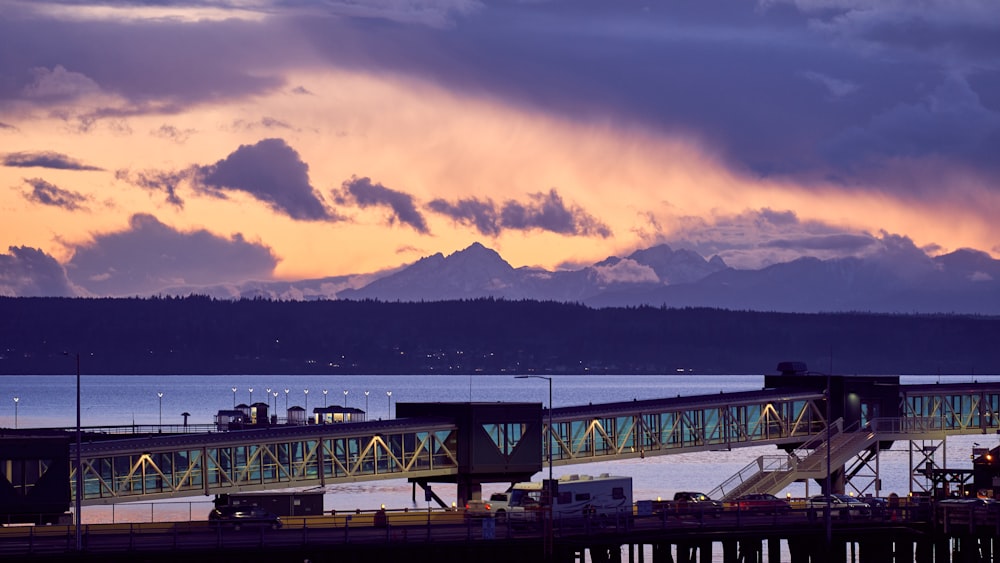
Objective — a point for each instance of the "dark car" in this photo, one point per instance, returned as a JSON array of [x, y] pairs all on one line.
[[841, 506], [762, 502], [236, 517], [687, 502]]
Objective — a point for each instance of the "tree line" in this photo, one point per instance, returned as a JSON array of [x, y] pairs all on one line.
[[202, 335]]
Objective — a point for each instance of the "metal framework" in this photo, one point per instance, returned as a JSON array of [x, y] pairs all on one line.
[[684, 424], [195, 464], [128, 470]]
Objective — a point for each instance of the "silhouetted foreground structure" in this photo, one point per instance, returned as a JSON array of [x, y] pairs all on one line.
[[198, 335]]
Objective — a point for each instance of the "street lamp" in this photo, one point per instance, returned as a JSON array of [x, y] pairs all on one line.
[[389, 395], [345, 398], [366, 404], [550, 486], [251, 395], [548, 445], [325, 391], [234, 397], [159, 395], [306, 393], [286, 400], [267, 397], [77, 505], [16, 400]]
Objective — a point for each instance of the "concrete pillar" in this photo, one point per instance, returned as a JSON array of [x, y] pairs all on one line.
[[685, 553], [799, 549], [661, 553], [730, 551], [774, 550], [903, 551], [876, 550], [924, 551], [705, 552], [942, 550]]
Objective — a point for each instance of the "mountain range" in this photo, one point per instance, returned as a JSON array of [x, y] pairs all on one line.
[[961, 282]]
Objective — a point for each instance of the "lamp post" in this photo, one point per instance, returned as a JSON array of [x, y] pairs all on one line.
[[159, 396], [388, 394], [234, 397], [306, 393], [286, 400], [16, 400], [267, 397], [345, 398], [366, 404], [77, 505], [251, 396], [548, 446], [325, 391], [549, 487], [828, 516]]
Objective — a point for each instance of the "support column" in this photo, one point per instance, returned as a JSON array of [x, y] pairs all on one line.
[[661, 553], [903, 551], [876, 551], [730, 551], [705, 552], [774, 550]]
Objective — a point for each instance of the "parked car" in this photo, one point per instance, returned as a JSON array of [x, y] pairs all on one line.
[[237, 517], [841, 506], [496, 506], [687, 502], [763, 502]]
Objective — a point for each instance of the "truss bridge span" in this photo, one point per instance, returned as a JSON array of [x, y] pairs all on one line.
[[472, 443]]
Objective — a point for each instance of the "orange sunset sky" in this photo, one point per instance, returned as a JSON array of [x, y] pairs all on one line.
[[206, 142]]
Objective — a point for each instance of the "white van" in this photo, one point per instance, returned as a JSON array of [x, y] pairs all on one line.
[[602, 498]]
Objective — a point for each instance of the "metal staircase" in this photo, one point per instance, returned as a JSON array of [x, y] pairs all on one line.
[[772, 473]]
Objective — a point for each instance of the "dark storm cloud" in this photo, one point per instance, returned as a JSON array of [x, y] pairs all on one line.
[[363, 193], [149, 256], [481, 214], [44, 159], [777, 87], [544, 212], [950, 121], [157, 181], [50, 60], [547, 212], [272, 172], [49, 194], [29, 272], [7, 126]]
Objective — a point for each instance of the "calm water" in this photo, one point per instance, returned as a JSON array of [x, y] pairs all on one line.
[[46, 401]]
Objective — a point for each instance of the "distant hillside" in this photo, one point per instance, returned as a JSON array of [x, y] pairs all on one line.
[[199, 335]]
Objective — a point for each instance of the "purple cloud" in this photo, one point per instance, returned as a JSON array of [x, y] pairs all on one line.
[[544, 212], [273, 173], [363, 193], [49, 194], [45, 159], [29, 272], [157, 181], [149, 256], [481, 214], [547, 212]]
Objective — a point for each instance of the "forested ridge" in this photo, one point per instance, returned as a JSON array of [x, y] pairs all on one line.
[[200, 335]]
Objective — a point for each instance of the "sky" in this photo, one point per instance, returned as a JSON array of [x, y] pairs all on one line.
[[151, 144]]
